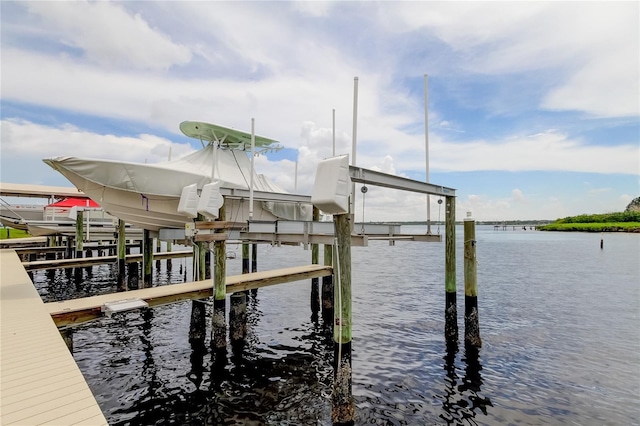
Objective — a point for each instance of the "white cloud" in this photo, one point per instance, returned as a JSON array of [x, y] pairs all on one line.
[[589, 53], [517, 195], [25, 139], [545, 151], [108, 35]]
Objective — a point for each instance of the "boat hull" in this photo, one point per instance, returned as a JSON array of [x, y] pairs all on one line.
[[154, 212]]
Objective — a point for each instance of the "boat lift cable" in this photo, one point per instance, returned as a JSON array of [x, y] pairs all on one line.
[[439, 206], [364, 190], [364, 195], [233, 152]]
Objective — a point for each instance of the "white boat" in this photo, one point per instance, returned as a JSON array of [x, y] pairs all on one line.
[[57, 218], [148, 195]]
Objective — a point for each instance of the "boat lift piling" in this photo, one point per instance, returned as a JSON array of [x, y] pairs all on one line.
[[471, 322], [218, 319], [451, 309], [197, 325], [342, 403]]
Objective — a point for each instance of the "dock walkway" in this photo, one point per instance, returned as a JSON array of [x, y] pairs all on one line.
[[40, 383]]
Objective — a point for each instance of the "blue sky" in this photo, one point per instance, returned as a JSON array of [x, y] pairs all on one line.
[[533, 106]]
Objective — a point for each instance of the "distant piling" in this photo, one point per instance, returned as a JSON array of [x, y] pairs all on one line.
[[122, 244], [202, 261], [342, 404], [246, 264], [79, 233], [158, 250], [169, 265], [147, 259], [68, 253], [254, 257], [79, 240], [451, 309], [133, 275], [254, 264], [471, 320]]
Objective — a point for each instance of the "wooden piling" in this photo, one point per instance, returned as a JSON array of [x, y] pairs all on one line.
[[158, 250], [471, 320], [122, 244], [133, 275], [254, 258], [451, 309], [327, 287], [202, 260], [89, 269], [79, 233], [315, 254], [198, 325], [245, 258], [147, 259], [68, 254], [342, 404], [254, 264], [238, 317], [218, 319]]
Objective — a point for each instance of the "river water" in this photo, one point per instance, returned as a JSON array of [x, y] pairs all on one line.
[[559, 321]]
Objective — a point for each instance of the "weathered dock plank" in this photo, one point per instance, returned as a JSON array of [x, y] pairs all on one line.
[[98, 260], [76, 311], [40, 382], [22, 242]]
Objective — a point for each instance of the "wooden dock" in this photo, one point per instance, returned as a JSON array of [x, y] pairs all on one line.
[[77, 311], [83, 262], [40, 383]]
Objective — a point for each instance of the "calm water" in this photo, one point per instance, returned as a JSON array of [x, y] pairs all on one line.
[[559, 318]]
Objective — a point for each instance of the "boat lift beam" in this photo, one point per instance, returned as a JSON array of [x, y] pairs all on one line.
[[372, 177]]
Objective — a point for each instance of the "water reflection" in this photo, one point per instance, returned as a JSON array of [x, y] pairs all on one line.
[[462, 399], [472, 381]]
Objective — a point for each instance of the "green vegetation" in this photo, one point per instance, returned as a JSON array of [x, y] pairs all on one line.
[[627, 221], [634, 205], [13, 233]]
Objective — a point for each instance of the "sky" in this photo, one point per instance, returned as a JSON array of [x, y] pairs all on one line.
[[533, 107]]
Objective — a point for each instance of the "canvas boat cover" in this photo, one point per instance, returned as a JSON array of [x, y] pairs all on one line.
[[232, 169]]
